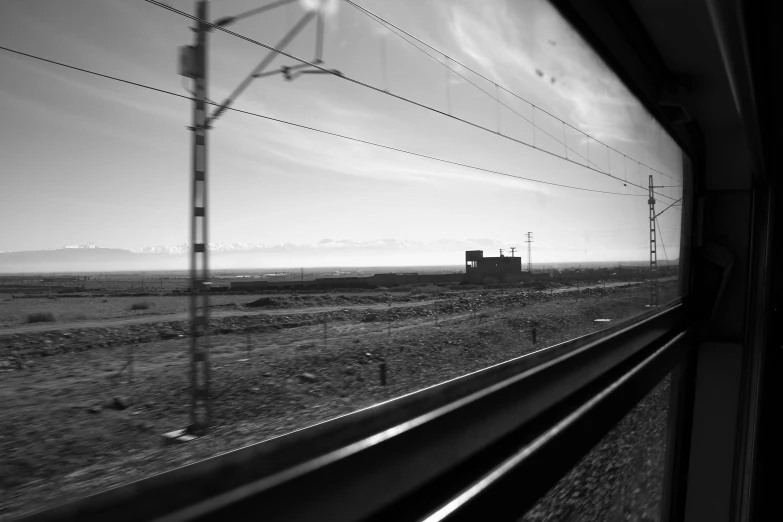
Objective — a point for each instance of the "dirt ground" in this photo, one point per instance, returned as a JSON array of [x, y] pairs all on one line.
[[75, 309], [86, 310], [79, 421], [621, 478]]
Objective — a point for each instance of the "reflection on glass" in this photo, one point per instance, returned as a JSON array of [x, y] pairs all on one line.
[[363, 245], [622, 477]]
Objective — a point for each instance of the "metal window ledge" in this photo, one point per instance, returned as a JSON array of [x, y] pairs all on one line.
[[460, 444]]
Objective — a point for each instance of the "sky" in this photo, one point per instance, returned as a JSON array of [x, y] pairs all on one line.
[[90, 160]]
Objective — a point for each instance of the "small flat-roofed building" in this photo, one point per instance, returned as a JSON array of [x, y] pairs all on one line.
[[503, 269]]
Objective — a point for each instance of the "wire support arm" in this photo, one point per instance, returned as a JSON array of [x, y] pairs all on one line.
[[261, 66], [228, 20], [667, 208]]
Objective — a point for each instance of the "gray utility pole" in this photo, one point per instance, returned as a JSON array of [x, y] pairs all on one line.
[[200, 401], [193, 64], [529, 241], [513, 249], [653, 241], [653, 245]]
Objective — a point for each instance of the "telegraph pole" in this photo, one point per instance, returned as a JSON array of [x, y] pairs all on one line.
[[513, 249], [529, 241]]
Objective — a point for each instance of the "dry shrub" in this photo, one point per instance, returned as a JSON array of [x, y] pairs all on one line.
[[40, 317], [426, 289]]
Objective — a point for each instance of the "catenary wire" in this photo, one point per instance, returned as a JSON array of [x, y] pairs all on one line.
[[402, 98], [497, 100], [657, 228], [380, 90], [391, 25], [314, 129]]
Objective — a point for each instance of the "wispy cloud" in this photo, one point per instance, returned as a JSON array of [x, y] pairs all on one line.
[[304, 148], [532, 50]]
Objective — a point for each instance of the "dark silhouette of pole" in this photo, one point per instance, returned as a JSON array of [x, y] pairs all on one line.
[[382, 371], [200, 404], [653, 246]]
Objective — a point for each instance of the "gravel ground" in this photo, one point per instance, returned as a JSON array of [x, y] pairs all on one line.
[[74, 425], [621, 479]]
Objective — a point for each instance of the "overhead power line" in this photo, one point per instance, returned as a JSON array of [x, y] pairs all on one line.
[[95, 73], [673, 205], [490, 95], [662, 243], [599, 233], [385, 22], [389, 93], [314, 129]]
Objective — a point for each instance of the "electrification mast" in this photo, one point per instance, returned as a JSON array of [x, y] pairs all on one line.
[[193, 64], [653, 246], [200, 402], [529, 242]]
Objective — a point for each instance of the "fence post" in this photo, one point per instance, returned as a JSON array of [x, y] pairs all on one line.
[[130, 364], [382, 369]]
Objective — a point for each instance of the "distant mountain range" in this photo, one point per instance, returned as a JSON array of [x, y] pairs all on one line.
[[327, 252], [326, 244]]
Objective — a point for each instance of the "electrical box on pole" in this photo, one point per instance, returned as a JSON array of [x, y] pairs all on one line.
[[187, 62]]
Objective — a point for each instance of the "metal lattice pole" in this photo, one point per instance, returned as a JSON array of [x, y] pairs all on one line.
[[193, 64], [653, 247], [529, 241], [200, 405]]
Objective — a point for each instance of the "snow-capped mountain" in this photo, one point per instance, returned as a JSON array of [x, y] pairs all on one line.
[[84, 246], [326, 252], [184, 248], [331, 244], [322, 245]]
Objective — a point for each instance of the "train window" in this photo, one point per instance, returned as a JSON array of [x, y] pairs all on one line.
[[622, 477], [340, 169]]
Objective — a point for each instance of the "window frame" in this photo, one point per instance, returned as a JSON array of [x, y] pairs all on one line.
[[327, 469]]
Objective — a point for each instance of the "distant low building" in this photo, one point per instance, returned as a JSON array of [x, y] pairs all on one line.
[[503, 269]]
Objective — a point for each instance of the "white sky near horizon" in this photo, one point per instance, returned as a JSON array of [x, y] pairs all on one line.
[[91, 160]]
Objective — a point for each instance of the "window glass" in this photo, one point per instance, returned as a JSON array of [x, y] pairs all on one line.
[[414, 191], [622, 476]]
